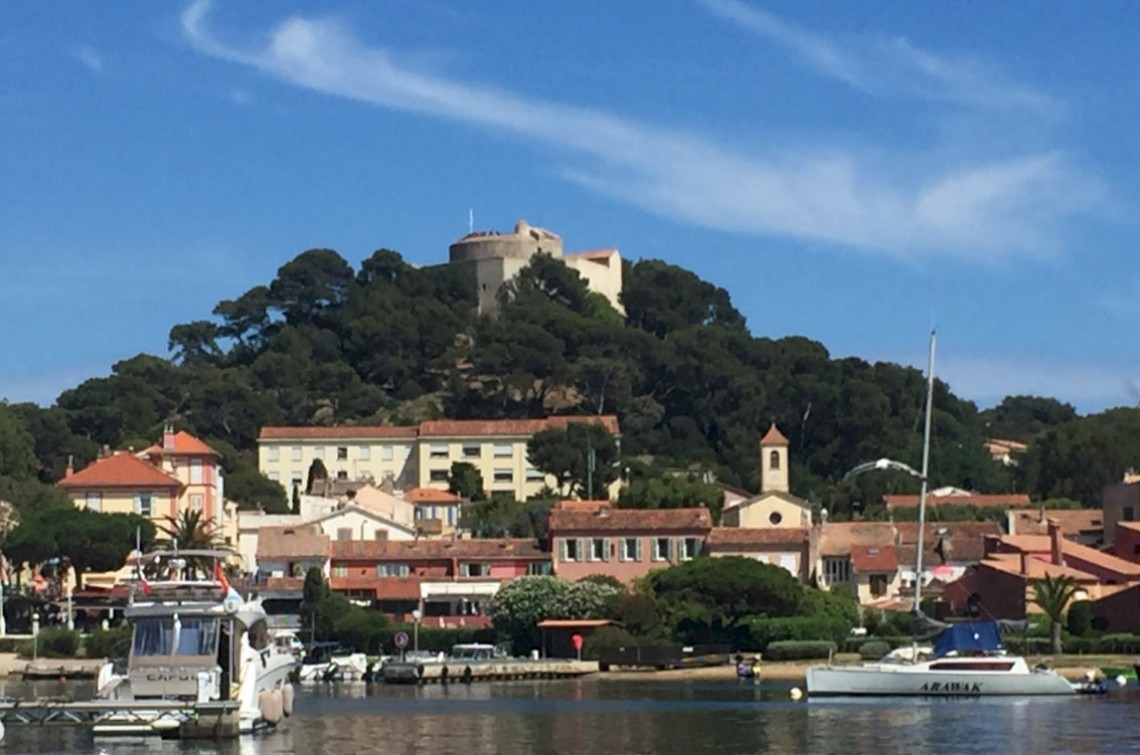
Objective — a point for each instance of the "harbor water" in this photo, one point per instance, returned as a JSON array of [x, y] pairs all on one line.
[[617, 716]]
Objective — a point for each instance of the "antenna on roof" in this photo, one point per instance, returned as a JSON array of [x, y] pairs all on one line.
[[471, 220]]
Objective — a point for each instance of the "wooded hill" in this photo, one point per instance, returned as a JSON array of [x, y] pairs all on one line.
[[325, 344]]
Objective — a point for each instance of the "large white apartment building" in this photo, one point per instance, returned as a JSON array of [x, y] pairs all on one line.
[[418, 456]]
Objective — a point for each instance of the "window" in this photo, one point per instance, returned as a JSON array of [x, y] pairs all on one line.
[[571, 550], [472, 450], [438, 475], [341, 474], [878, 585], [1128, 514], [419, 512], [538, 568], [196, 502], [144, 504], [452, 515], [775, 518], [319, 452], [272, 453], [363, 453], [474, 570], [599, 549], [630, 549], [296, 454], [690, 548], [392, 570], [95, 501], [154, 636], [838, 570], [504, 450], [534, 475], [275, 476], [386, 453], [197, 636], [340, 571], [662, 549], [195, 471], [438, 451], [504, 475], [342, 453], [344, 533], [296, 479], [774, 460], [788, 562]]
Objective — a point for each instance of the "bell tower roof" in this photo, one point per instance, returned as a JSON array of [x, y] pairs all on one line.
[[773, 437]]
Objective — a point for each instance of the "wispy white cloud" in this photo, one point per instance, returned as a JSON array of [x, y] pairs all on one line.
[[877, 201], [239, 97], [89, 57], [887, 66]]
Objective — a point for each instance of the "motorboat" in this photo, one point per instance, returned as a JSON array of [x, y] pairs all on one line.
[[196, 643], [329, 662]]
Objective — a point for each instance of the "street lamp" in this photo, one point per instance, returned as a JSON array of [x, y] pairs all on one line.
[[416, 616]]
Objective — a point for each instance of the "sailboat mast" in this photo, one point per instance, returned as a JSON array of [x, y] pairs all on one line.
[[925, 475]]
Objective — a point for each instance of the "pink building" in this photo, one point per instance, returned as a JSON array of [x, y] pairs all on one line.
[[592, 537], [198, 467]]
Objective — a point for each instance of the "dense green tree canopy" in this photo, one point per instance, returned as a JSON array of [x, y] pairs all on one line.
[[693, 388]]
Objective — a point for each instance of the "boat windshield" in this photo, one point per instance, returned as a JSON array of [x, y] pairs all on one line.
[[160, 635]]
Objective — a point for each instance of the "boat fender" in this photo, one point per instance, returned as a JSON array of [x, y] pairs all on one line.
[[269, 703], [287, 700], [420, 671], [467, 674], [443, 674]]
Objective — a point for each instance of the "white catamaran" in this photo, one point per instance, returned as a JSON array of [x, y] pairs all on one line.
[[968, 659], [195, 641]]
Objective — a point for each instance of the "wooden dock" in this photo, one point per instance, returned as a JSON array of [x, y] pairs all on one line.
[[458, 672]]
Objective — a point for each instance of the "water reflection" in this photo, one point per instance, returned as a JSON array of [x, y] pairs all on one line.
[[604, 716]]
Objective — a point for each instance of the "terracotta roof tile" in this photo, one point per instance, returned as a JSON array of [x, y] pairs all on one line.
[[744, 537], [185, 443], [629, 520], [1074, 553], [774, 437], [120, 470], [415, 550], [588, 505], [874, 558], [982, 500], [292, 541], [965, 541], [430, 495], [1036, 568], [1072, 521], [521, 428], [836, 538], [342, 432]]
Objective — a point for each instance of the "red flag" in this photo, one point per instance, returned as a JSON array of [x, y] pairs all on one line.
[[220, 576], [145, 584]]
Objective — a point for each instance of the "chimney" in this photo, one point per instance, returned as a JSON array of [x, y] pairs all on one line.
[[70, 466], [168, 437], [1057, 557]]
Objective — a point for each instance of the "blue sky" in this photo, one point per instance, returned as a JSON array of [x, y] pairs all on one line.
[[850, 172]]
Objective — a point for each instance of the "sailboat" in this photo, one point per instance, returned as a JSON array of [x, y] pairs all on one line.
[[968, 659]]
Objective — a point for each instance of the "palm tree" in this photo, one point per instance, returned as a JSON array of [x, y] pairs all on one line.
[[191, 531], [1052, 595]]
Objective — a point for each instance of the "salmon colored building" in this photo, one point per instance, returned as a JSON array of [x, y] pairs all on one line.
[[592, 537]]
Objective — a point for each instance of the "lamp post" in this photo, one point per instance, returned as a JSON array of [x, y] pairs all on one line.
[[416, 616], [35, 636]]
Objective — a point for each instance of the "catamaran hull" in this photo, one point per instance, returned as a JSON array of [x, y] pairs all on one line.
[[915, 682]]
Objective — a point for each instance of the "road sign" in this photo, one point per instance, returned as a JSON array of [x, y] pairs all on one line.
[[401, 640]]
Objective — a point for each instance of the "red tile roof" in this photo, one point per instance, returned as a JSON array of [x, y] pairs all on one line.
[[1036, 568], [184, 444], [874, 558], [343, 432], [292, 541], [430, 495], [521, 428], [774, 437], [120, 470], [746, 537], [384, 588], [415, 550], [565, 521], [588, 505], [1070, 551], [983, 500], [837, 538], [1072, 521], [966, 541]]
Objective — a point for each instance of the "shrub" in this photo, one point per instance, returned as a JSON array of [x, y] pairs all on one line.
[[872, 650], [799, 651], [52, 642], [607, 637], [852, 644], [112, 643], [764, 631], [1080, 618]]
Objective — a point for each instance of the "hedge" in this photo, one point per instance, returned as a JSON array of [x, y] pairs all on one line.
[[873, 650], [435, 639], [765, 631], [799, 651], [112, 643], [52, 642]]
